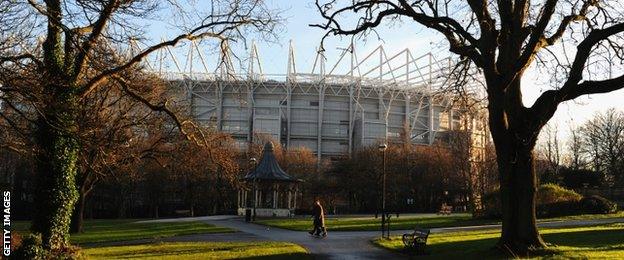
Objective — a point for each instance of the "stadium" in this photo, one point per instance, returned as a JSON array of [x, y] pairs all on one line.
[[372, 99]]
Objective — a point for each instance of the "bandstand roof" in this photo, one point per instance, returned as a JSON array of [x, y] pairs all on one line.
[[268, 169]]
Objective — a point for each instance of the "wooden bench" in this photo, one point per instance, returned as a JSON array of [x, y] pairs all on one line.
[[445, 210], [417, 240], [183, 212]]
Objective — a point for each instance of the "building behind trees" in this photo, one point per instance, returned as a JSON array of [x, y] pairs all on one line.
[[335, 109], [324, 124]]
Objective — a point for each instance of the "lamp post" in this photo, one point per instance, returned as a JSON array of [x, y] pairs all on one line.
[[382, 149], [252, 162]]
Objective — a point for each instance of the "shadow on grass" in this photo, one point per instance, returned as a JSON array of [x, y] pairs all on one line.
[[565, 244], [472, 249], [152, 253], [225, 251], [371, 224], [587, 238], [299, 256], [127, 230], [201, 250]]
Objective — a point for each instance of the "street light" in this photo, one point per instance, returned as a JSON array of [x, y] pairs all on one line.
[[382, 149], [252, 162]]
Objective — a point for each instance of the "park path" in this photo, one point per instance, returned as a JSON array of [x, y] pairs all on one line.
[[339, 244]]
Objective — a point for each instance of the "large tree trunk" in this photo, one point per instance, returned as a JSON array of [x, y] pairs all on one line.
[[518, 190], [514, 131], [56, 161]]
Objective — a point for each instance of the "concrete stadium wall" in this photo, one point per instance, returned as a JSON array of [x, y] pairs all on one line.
[[329, 119]]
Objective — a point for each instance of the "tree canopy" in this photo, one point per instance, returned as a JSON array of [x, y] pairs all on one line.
[[55, 53]]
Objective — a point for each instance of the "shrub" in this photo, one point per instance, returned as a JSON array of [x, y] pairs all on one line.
[[31, 247], [552, 200], [68, 252], [597, 205], [553, 193], [558, 209], [16, 240]]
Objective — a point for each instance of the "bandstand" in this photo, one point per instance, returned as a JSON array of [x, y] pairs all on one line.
[[268, 191]]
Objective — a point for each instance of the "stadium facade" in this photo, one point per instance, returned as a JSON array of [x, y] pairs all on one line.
[[379, 98]]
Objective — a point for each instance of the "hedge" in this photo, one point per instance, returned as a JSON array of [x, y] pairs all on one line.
[[552, 201]]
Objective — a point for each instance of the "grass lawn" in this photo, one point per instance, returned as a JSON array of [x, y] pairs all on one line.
[[601, 242], [125, 229], [403, 222], [202, 250], [371, 223], [619, 214]]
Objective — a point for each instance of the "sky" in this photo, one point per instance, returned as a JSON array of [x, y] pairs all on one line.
[[305, 39]]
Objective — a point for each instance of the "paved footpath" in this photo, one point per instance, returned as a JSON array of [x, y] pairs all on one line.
[[337, 245]]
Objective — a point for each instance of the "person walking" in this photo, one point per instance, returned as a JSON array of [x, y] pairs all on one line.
[[318, 214]]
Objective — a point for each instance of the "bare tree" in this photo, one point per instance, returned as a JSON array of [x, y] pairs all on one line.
[[462, 153], [548, 151], [575, 146], [115, 132], [603, 142], [207, 175], [80, 52], [502, 39]]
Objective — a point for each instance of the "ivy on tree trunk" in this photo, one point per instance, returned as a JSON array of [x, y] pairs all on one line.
[[56, 192]]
